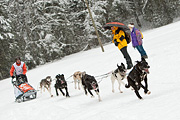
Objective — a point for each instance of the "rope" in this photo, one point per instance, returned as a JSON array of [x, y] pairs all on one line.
[[38, 87], [68, 77], [101, 78], [104, 74], [54, 79], [70, 81]]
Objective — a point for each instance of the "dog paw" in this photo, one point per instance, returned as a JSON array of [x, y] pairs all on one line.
[[121, 91], [100, 100], [149, 92], [127, 86], [51, 95], [92, 96], [141, 98], [113, 91]]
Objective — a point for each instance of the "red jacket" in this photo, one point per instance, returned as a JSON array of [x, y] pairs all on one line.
[[24, 69]]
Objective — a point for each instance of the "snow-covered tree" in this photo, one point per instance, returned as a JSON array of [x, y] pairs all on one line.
[[6, 37], [97, 8], [157, 12], [40, 31]]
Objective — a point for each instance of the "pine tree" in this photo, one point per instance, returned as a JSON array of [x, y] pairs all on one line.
[[6, 37], [97, 8], [132, 5], [40, 31], [157, 12]]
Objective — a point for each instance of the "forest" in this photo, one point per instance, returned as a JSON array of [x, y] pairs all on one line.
[[41, 31]]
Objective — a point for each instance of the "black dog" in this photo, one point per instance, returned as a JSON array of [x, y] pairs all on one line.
[[61, 84], [137, 75], [89, 83]]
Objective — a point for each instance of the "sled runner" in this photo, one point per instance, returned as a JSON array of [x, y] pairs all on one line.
[[23, 91]]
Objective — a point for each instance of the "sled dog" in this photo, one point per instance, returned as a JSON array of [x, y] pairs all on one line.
[[89, 83], [77, 79], [61, 84], [137, 75], [119, 74], [46, 83]]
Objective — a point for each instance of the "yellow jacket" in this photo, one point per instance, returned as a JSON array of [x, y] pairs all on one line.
[[122, 43]]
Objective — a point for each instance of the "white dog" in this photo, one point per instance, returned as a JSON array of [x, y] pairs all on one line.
[[119, 74], [77, 78]]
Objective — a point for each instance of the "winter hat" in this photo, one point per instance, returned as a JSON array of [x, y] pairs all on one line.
[[17, 58], [131, 25]]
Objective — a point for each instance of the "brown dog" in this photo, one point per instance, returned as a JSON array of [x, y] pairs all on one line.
[[46, 83], [77, 78]]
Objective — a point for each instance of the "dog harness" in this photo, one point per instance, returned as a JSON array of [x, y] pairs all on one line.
[[117, 71], [142, 74]]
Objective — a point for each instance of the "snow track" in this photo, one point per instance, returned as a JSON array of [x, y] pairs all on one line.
[[162, 46]]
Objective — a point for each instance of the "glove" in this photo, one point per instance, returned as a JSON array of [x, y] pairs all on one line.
[[115, 42], [23, 75], [13, 77], [121, 38], [13, 81]]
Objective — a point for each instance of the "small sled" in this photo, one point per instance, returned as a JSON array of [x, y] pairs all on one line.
[[23, 91]]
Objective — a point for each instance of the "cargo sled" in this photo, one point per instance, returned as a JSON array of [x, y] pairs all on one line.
[[23, 90]]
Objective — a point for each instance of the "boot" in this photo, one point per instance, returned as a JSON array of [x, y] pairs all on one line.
[[145, 57]]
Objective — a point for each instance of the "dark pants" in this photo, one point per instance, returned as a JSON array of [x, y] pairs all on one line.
[[126, 56], [141, 50]]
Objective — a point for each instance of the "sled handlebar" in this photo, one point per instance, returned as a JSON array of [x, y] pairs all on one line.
[[13, 82]]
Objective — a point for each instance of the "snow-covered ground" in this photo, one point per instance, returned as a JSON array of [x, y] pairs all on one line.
[[162, 46]]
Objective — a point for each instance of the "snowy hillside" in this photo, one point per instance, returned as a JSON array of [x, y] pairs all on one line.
[[162, 46]]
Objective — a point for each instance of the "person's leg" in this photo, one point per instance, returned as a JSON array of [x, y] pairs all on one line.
[[144, 52], [17, 80], [141, 51], [127, 57], [24, 78]]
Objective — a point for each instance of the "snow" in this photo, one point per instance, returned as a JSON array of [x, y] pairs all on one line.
[[1, 37], [162, 46]]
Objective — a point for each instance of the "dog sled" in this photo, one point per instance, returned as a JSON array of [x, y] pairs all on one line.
[[23, 90]]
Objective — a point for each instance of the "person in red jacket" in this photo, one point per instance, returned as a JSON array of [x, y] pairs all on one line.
[[20, 69]]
